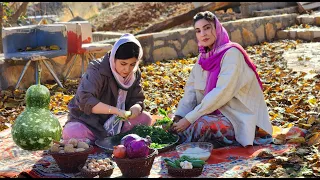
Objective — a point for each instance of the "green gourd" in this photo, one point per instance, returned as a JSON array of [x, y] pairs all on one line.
[[36, 127]]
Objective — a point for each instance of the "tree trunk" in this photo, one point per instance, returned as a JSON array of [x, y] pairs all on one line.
[[177, 20], [1, 16], [21, 11]]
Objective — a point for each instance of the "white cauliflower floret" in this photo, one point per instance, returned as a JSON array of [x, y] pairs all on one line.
[[186, 165]]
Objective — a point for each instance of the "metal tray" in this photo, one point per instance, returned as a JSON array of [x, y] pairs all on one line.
[[107, 144]]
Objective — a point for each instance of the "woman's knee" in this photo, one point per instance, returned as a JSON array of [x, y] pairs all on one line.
[[76, 130], [146, 118]]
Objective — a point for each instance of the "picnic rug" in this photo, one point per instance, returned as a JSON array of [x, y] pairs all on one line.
[[224, 162]]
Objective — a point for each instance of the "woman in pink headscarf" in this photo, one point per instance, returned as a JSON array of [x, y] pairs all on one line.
[[223, 102], [108, 89]]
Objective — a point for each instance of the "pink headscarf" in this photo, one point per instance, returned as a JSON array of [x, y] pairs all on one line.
[[211, 61]]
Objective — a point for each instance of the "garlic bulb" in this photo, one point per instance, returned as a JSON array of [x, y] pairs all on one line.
[[98, 164]]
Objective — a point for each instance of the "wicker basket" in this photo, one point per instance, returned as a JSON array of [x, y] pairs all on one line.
[[101, 173], [69, 162], [136, 167], [178, 172]]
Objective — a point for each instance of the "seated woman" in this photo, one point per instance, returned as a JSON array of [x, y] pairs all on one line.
[[223, 101], [108, 89]]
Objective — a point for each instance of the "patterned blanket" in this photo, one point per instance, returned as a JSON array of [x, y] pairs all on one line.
[[223, 162]]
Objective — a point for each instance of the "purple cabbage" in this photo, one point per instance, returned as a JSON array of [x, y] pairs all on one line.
[[130, 137], [137, 149]]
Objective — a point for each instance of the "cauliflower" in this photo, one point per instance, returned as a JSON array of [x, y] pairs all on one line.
[[186, 165]]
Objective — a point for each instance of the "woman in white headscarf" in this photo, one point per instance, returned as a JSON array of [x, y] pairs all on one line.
[[109, 88]]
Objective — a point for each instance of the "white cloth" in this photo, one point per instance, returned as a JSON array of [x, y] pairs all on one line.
[[237, 95]]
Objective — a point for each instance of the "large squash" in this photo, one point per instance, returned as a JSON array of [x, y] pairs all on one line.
[[36, 127]]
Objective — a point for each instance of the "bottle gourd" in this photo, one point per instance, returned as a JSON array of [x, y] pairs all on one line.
[[36, 127]]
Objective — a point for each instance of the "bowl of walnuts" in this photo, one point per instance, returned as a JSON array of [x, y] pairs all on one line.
[[70, 155], [102, 167]]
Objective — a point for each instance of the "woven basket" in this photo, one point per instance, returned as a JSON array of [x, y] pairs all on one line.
[[101, 173], [178, 172], [69, 162], [136, 167]]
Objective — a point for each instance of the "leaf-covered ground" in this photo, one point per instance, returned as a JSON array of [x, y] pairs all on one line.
[[292, 98]]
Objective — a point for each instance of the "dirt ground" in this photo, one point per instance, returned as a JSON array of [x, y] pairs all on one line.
[[133, 17]]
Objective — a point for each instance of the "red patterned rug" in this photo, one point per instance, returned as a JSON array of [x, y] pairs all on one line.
[[224, 162]]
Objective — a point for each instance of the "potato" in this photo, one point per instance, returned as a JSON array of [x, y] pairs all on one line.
[[79, 149], [73, 141], [82, 145]]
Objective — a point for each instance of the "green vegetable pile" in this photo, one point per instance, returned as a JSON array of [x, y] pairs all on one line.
[[196, 162], [160, 138]]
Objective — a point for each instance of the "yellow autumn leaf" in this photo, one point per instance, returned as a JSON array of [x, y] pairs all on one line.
[[150, 68], [314, 139], [289, 125], [276, 130], [297, 140], [311, 119], [313, 101], [54, 47], [56, 111], [166, 78], [146, 84]]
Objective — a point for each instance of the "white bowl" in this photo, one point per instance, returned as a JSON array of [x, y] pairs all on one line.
[[201, 150]]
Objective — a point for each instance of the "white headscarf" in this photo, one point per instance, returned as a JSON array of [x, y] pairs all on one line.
[[112, 126], [128, 81]]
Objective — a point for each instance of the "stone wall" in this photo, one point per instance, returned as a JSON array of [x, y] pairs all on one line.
[[103, 35], [182, 42], [248, 8]]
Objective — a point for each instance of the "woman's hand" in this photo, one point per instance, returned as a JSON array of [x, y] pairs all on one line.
[[122, 113], [176, 118], [135, 111], [180, 126]]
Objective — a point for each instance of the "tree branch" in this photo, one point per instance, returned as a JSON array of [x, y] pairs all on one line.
[[21, 11], [177, 20]]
